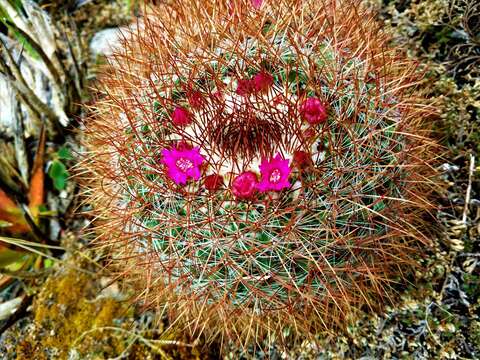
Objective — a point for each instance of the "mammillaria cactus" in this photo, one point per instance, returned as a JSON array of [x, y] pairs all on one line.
[[259, 166]]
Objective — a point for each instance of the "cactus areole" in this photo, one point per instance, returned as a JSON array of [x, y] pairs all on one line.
[[259, 166]]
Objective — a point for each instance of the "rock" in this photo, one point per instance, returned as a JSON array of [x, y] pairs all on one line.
[[105, 41]]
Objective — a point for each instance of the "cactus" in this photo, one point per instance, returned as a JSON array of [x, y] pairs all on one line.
[[257, 167]]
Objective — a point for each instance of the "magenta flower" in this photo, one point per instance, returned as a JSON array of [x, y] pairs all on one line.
[[245, 185], [263, 81], [313, 111], [274, 174], [181, 116], [183, 163]]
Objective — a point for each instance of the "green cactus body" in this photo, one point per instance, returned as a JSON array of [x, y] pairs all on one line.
[[249, 94]]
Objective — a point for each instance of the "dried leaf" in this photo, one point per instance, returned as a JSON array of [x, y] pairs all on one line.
[[37, 181], [10, 213]]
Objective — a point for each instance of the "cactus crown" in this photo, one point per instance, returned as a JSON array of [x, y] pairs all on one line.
[[259, 166]]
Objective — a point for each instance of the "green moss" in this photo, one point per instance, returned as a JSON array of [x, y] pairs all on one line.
[[475, 331], [71, 321], [67, 309]]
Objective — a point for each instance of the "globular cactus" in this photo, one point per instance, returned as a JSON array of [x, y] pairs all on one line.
[[260, 166]]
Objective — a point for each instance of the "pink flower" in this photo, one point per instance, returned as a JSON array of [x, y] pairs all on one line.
[[313, 111], [257, 3], [245, 185], [263, 81], [274, 174], [183, 163], [181, 116], [245, 87], [213, 182]]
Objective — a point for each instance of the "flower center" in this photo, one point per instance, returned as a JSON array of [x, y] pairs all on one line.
[[275, 176], [184, 164]]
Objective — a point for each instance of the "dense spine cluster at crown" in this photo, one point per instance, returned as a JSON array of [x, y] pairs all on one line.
[[256, 166]]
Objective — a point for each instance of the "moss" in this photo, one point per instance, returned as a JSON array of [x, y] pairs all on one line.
[[64, 312], [475, 331], [71, 321]]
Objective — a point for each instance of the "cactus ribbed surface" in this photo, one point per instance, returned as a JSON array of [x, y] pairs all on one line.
[[258, 166]]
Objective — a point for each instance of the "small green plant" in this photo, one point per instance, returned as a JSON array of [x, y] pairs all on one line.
[[57, 170], [260, 169]]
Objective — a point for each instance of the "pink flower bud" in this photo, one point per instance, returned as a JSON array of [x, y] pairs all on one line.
[[195, 99], [257, 3], [244, 185], [181, 117], [213, 182], [245, 87], [263, 81], [313, 111], [302, 159]]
